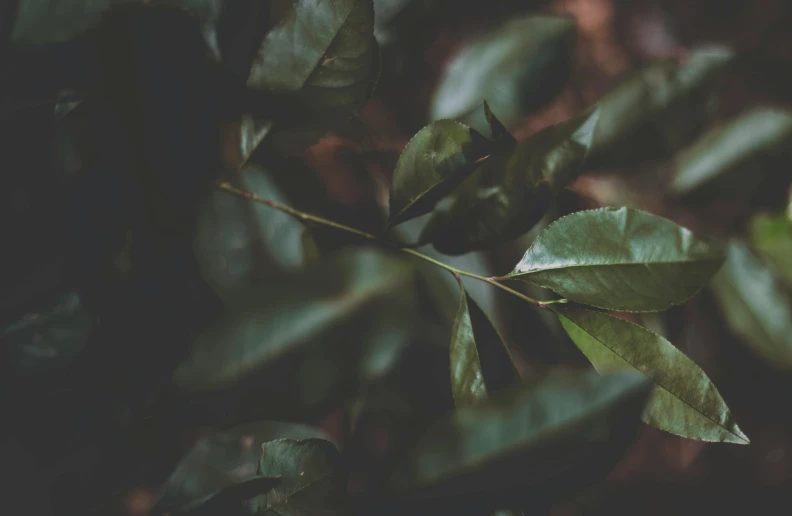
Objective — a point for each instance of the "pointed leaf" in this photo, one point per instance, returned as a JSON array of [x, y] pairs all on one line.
[[510, 191], [498, 130], [480, 361], [306, 338], [562, 423], [517, 68], [221, 461], [659, 109], [620, 259], [739, 150], [755, 305], [434, 161], [325, 55], [684, 401]]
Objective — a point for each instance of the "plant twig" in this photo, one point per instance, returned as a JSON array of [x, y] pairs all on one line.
[[301, 215]]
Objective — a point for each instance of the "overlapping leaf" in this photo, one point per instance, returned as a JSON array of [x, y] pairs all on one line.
[[520, 439], [435, 160], [323, 54], [510, 191], [307, 338], [223, 460], [741, 148], [620, 259], [517, 68], [756, 305], [684, 400], [480, 361]]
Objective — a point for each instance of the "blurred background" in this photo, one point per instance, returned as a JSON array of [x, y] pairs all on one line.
[[707, 150]]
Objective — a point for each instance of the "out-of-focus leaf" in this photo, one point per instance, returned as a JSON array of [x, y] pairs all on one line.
[[620, 259], [303, 339], [434, 161], [239, 242], [39, 22], [741, 148], [684, 401], [480, 361], [659, 109], [497, 129], [517, 68], [50, 338], [323, 54], [756, 305], [222, 460], [510, 191], [520, 441], [312, 480], [771, 235]]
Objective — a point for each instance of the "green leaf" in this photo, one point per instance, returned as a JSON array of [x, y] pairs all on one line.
[[561, 423], [771, 236], [312, 480], [684, 401], [323, 54], [620, 259], [497, 129], [434, 161], [517, 68], [480, 361], [225, 459], [510, 191], [39, 22], [659, 109], [739, 150], [755, 305], [303, 339]]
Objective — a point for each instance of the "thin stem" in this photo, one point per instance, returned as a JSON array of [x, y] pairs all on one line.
[[301, 215]]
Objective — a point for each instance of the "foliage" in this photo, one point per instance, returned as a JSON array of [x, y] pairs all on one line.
[[211, 288]]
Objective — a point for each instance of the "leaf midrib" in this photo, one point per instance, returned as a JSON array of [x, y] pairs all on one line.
[[612, 264]]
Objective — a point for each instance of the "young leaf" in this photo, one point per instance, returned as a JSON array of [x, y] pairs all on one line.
[[741, 148], [325, 55], [306, 338], [755, 305], [510, 191], [620, 259], [519, 441], [659, 109], [480, 361], [517, 68], [221, 461], [684, 401], [434, 161], [312, 481]]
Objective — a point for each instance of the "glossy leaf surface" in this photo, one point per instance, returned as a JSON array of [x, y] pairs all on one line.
[[324, 54], [755, 305], [620, 259], [510, 191], [684, 401], [521, 438], [516, 68], [480, 361], [435, 160]]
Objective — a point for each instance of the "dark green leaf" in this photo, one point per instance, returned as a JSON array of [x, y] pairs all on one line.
[[771, 236], [510, 191], [223, 460], [520, 439], [756, 305], [684, 401], [39, 22], [620, 259], [659, 109], [497, 129], [480, 361], [741, 147], [312, 481], [434, 161], [50, 338], [307, 338], [517, 68], [323, 54]]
